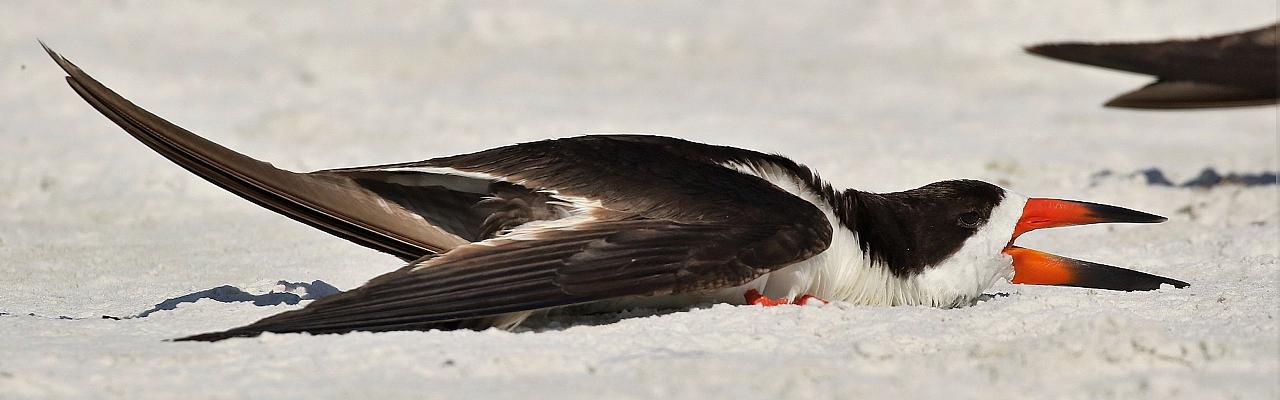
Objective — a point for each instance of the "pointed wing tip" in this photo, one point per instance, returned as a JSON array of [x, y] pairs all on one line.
[[46, 48], [1115, 56], [52, 54], [1136, 104], [67, 66], [1185, 95], [215, 336], [1063, 51], [1041, 49]]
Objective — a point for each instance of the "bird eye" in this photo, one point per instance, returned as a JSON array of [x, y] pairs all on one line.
[[970, 219]]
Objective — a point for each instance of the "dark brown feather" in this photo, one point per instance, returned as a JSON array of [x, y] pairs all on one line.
[[588, 262], [1190, 95], [331, 203], [1228, 70]]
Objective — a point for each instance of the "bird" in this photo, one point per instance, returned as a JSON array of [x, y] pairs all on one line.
[[1230, 70], [616, 221]]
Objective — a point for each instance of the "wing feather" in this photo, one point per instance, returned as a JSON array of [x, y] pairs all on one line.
[[1231, 70], [1190, 95], [602, 260], [331, 203]]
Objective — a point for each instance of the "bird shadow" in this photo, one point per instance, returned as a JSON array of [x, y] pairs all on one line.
[[569, 317], [1209, 178], [574, 316], [231, 294], [552, 320]]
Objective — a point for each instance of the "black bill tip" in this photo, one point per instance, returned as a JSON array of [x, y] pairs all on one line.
[[1108, 213], [1033, 267]]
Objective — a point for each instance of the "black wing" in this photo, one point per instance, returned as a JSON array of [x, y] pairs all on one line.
[[333, 203], [650, 176], [650, 216], [537, 268], [1237, 69]]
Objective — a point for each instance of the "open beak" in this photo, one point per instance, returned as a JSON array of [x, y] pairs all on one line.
[[1034, 267]]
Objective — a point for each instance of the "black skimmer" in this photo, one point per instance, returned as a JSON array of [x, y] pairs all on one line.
[[621, 220], [1231, 70]]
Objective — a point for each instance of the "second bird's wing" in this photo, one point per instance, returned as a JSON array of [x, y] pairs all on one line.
[[1237, 69]]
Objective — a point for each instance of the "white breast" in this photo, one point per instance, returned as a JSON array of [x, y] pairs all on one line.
[[843, 272]]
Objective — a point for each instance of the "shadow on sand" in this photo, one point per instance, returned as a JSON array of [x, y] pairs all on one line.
[[1209, 178], [232, 294]]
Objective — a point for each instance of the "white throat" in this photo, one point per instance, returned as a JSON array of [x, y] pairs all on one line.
[[979, 263]]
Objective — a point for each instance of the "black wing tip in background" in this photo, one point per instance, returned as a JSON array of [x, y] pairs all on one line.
[[1234, 69], [1186, 95], [1063, 51]]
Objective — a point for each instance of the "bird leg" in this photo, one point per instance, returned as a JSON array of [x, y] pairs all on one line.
[[755, 298]]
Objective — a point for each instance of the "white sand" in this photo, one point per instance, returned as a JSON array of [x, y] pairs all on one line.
[[879, 95]]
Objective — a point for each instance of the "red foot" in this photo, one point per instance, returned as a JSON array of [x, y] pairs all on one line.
[[808, 300], [754, 297]]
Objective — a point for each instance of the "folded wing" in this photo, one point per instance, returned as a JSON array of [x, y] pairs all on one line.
[[538, 267]]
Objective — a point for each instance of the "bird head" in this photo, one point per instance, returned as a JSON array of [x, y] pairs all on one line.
[[964, 232]]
